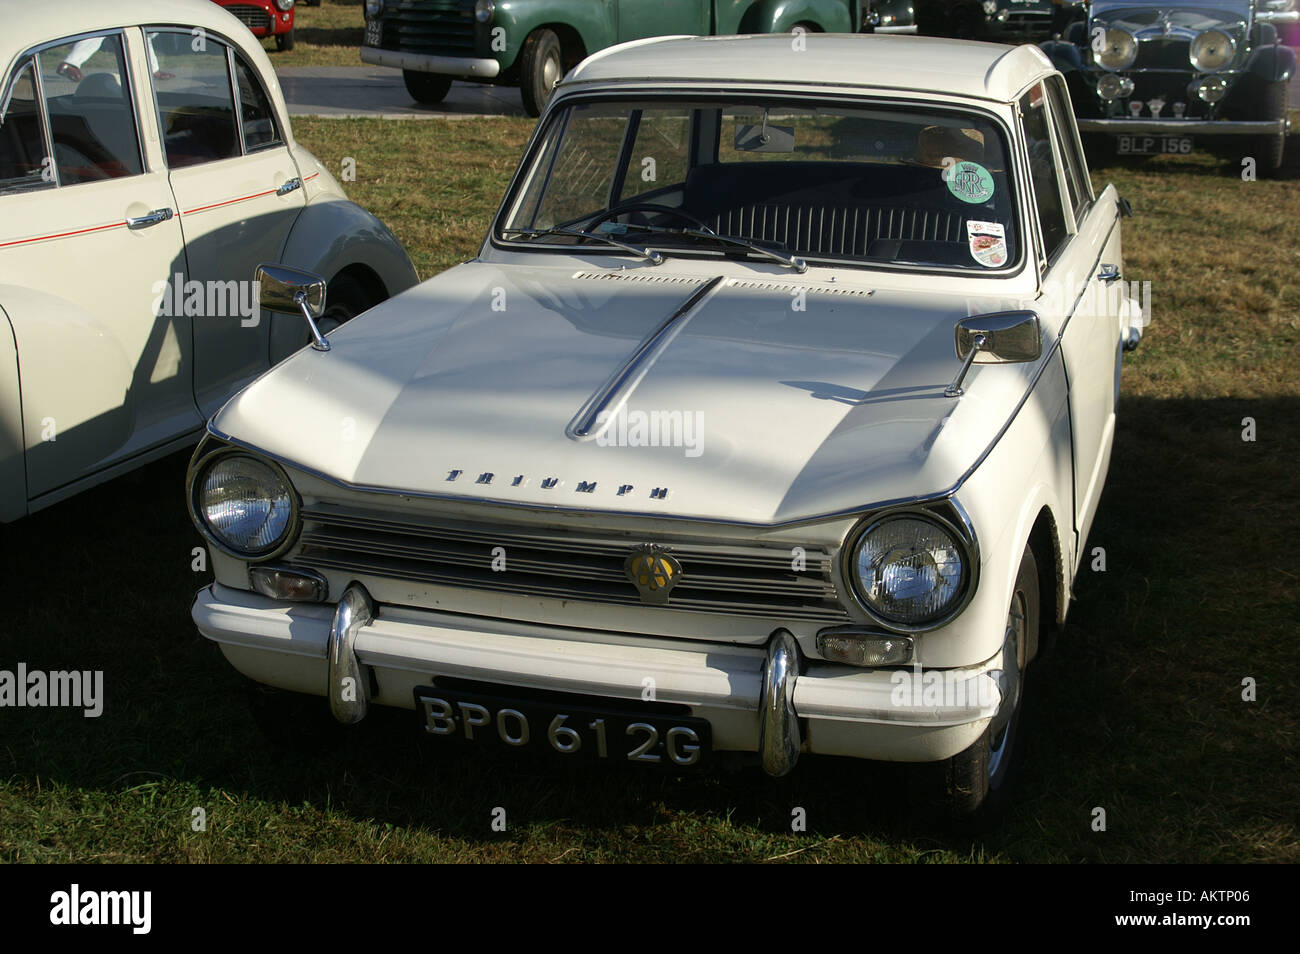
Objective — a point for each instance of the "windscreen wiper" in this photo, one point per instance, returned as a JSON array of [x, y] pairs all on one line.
[[649, 254], [792, 261]]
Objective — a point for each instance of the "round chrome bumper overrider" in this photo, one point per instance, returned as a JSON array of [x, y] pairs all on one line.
[[779, 740], [349, 682]]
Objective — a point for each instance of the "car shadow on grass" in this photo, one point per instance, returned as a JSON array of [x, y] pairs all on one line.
[[1138, 712]]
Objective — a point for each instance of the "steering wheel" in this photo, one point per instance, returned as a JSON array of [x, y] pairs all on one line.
[[645, 207]]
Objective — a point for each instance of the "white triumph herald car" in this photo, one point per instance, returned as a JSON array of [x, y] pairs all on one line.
[[146, 168], [770, 419]]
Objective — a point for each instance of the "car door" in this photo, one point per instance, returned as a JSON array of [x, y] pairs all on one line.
[[1081, 240], [238, 191], [88, 237]]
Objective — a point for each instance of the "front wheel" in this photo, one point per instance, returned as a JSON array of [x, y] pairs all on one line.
[[971, 789], [1269, 149], [284, 41], [540, 68], [345, 298], [427, 88]]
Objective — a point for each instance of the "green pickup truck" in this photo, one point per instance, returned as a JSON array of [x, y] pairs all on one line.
[[532, 43]]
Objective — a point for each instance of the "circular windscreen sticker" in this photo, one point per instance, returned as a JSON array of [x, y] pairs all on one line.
[[969, 181]]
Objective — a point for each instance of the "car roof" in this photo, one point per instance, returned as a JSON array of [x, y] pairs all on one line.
[[956, 67], [35, 22]]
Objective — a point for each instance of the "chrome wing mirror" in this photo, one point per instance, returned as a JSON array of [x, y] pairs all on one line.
[[282, 288], [1004, 337]]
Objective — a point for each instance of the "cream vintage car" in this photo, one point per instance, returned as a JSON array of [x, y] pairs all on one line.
[[146, 167], [770, 419]]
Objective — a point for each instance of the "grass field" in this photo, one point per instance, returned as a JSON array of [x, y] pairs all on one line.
[[1139, 711], [328, 35]]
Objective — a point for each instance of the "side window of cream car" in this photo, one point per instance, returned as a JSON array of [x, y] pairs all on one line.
[[89, 240], [238, 190], [23, 143]]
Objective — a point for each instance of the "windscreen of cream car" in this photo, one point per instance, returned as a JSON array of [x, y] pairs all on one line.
[[886, 185]]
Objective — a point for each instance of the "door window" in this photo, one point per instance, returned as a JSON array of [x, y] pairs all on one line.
[[1076, 169], [256, 116], [88, 101], [196, 105], [1042, 171], [22, 137]]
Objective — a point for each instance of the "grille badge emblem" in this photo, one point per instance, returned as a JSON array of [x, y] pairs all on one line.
[[654, 572]]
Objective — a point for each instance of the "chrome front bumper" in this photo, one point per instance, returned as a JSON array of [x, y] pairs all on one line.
[[1183, 127], [428, 63], [770, 700]]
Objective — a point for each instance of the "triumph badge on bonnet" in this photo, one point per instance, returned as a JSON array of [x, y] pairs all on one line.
[[654, 572]]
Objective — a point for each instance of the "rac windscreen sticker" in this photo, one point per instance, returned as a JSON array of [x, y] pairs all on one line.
[[969, 181], [988, 243]]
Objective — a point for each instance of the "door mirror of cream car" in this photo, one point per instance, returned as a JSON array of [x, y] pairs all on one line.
[[281, 288], [1004, 337]]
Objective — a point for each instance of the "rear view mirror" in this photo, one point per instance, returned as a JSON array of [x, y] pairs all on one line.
[[1005, 337], [764, 138], [281, 288]]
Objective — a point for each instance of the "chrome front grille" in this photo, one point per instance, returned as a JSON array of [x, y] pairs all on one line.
[[253, 17], [735, 581], [1163, 53], [440, 27]]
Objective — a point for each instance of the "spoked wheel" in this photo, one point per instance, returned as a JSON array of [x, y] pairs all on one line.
[[970, 790]]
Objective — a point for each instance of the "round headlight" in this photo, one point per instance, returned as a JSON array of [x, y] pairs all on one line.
[[483, 10], [245, 505], [1211, 89], [909, 569], [1115, 50], [284, 5], [1211, 50], [1111, 87], [374, 8]]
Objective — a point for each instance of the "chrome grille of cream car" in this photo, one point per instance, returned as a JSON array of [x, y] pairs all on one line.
[[729, 580]]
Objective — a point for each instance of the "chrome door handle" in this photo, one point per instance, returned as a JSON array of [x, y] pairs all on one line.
[[148, 219], [289, 186], [1109, 273]]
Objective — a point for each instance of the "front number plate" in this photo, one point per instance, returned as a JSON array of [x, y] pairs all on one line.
[[1153, 145], [681, 743]]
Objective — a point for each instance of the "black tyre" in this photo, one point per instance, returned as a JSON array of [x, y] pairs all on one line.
[[970, 790], [541, 66], [427, 88], [284, 41], [345, 298], [1271, 105]]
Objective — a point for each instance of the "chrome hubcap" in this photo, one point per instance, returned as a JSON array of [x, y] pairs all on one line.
[[1002, 728], [551, 73]]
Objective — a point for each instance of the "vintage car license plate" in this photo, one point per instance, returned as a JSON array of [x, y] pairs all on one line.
[[1153, 145], [682, 743]]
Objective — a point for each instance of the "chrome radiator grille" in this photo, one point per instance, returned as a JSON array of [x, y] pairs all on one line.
[[732, 581], [253, 17], [442, 27]]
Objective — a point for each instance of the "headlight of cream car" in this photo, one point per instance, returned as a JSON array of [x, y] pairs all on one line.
[[245, 505], [910, 570], [1118, 50], [1212, 50]]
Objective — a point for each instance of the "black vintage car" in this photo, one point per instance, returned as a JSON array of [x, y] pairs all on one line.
[[1150, 78], [1001, 20]]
